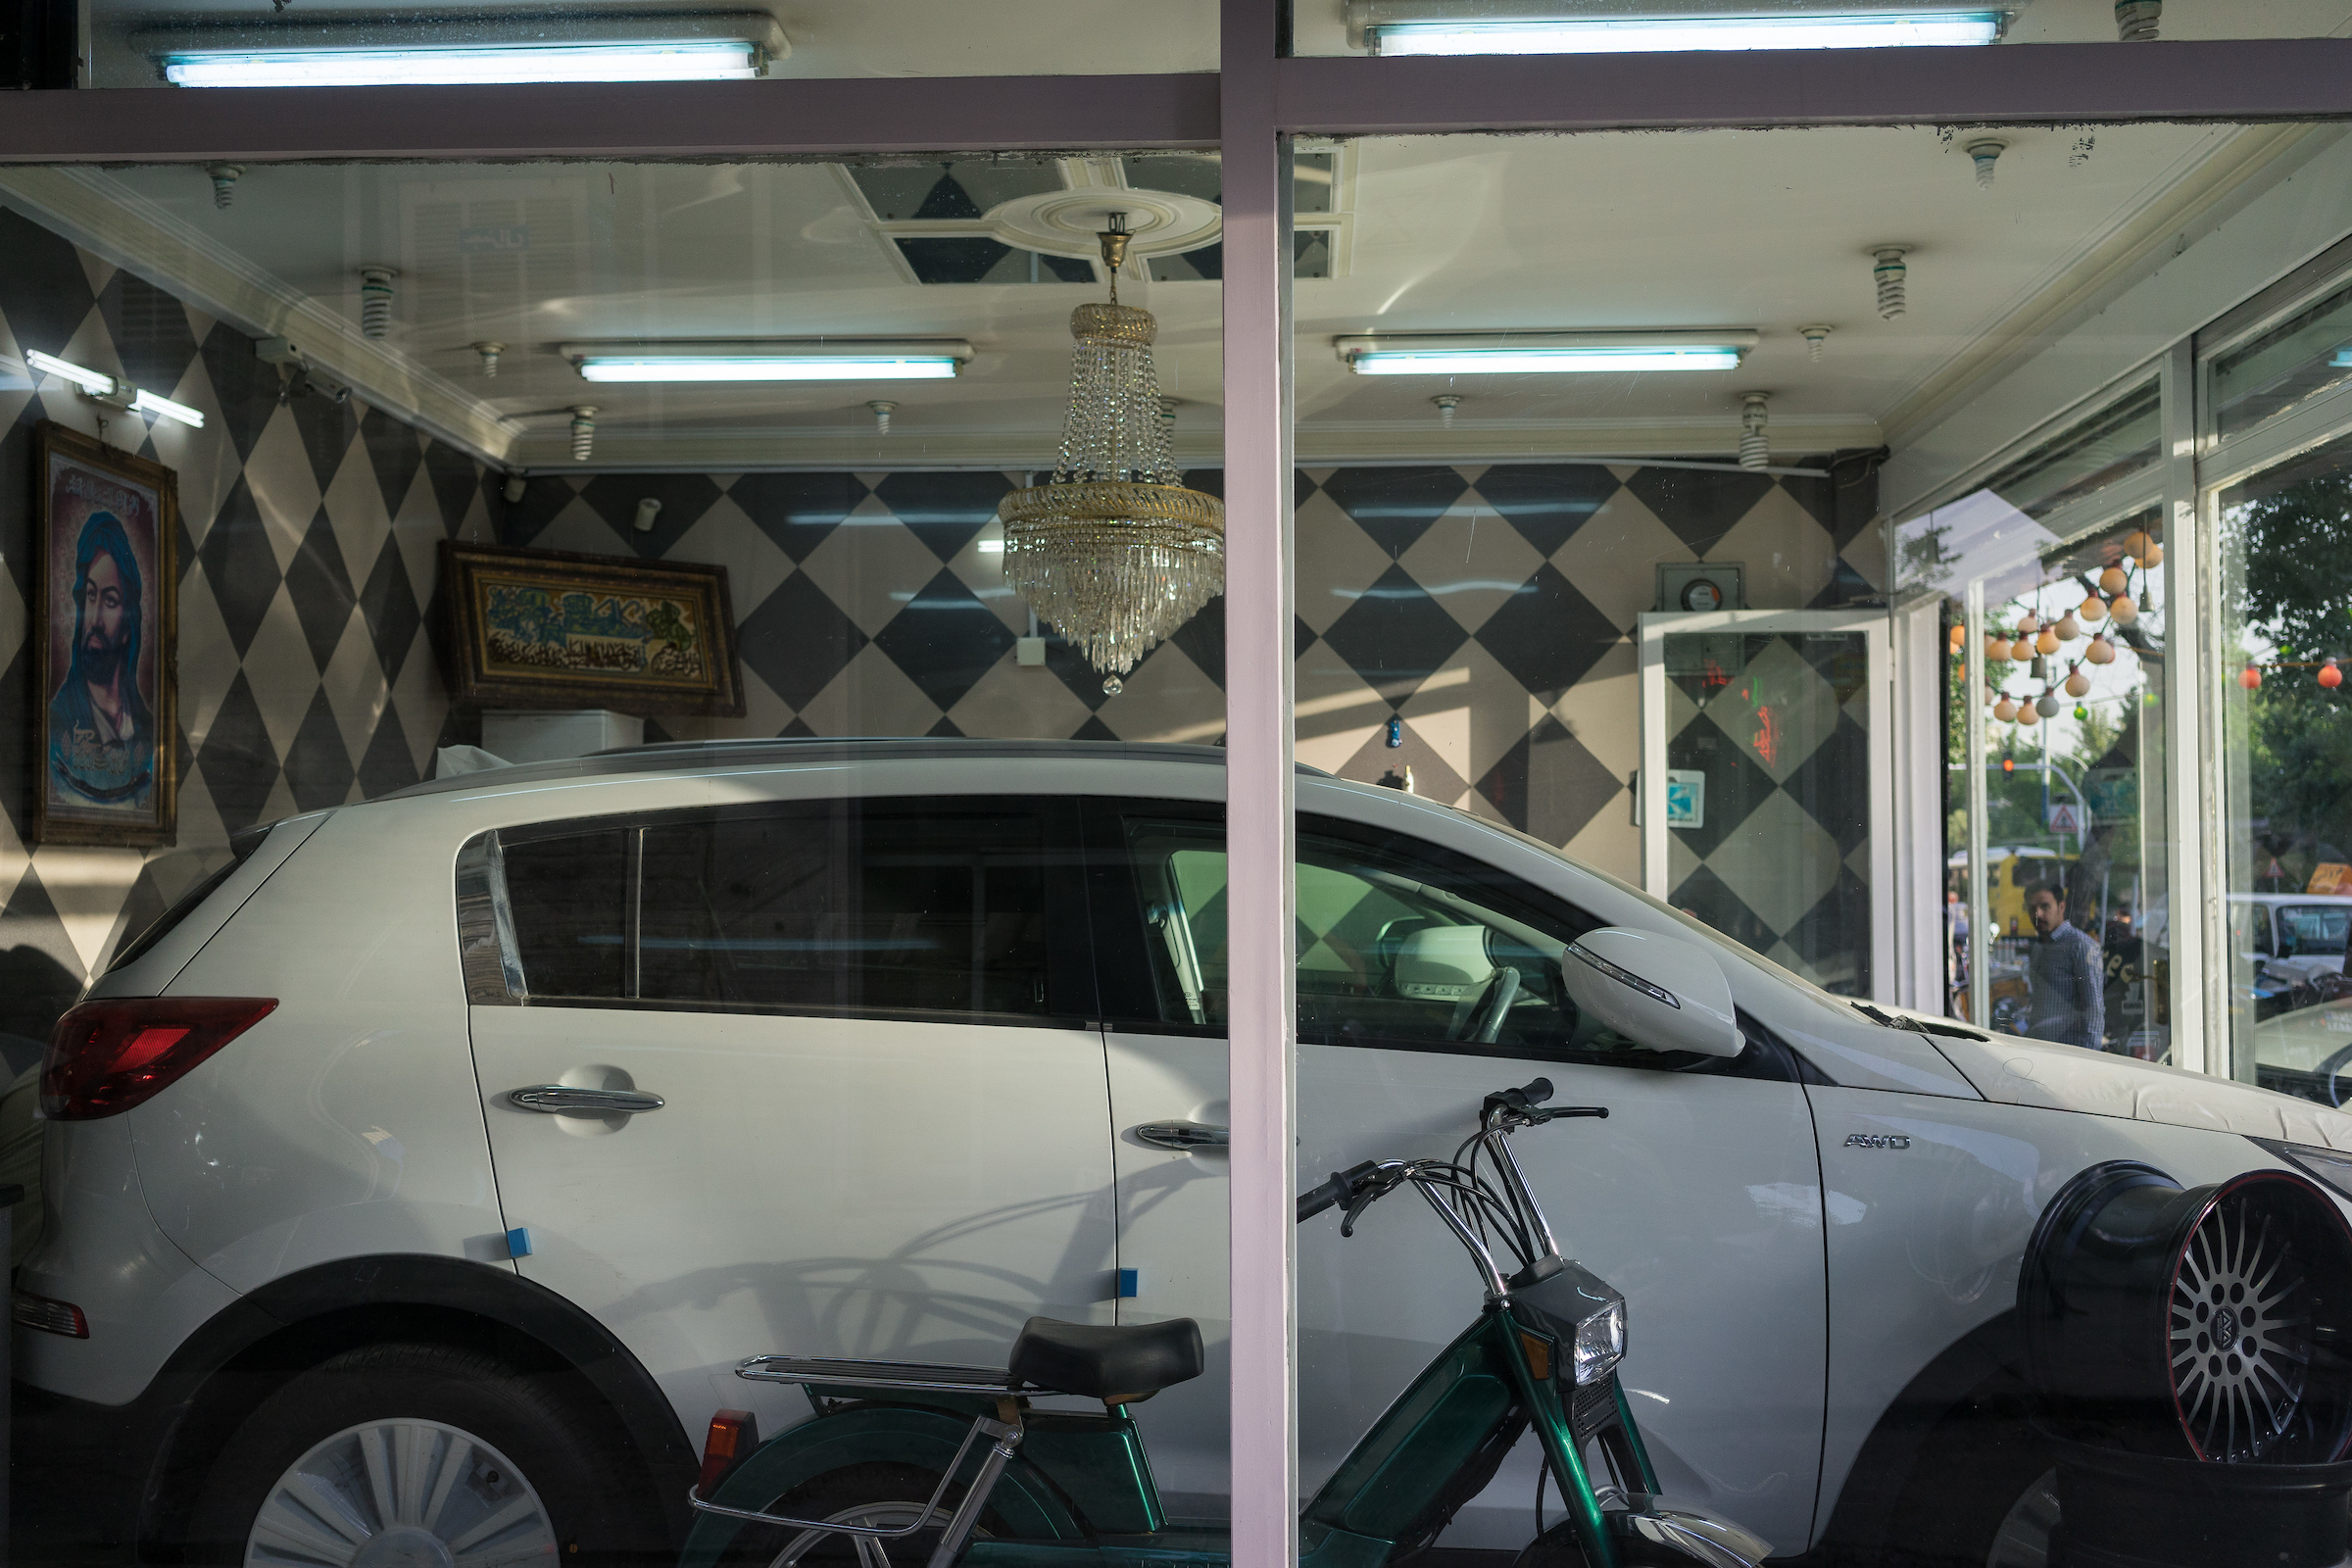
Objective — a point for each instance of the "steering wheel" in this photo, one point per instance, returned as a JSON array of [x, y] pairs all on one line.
[[1485, 1022]]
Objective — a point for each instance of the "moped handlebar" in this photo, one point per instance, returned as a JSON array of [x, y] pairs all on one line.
[[1520, 1100], [1341, 1189]]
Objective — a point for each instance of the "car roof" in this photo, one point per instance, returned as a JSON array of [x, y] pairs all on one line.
[[686, 757]]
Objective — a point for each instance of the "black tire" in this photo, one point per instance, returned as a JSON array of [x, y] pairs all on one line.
[[877, 1485], [1976, 1468], [530, 1434]]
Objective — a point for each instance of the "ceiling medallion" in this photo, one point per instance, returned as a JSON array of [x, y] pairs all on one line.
[[1113, 550]]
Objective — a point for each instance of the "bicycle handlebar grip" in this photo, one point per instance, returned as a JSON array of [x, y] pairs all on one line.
[[1537, 1092], [1342, 1188], [1315, 1200]]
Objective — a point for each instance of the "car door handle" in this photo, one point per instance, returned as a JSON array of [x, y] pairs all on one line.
[[561, 1099], [1182, 1136]]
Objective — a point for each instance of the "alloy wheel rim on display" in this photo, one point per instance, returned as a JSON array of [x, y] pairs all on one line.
[[401, 1493], [2188, 1324]]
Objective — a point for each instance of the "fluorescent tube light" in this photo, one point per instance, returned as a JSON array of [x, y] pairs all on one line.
[[730, 60], [87, 380], [838, 360], [1668, 34], [148, 403], [112, 390], [484, 46], [1470, 362], [714, 368], [1543, 353]]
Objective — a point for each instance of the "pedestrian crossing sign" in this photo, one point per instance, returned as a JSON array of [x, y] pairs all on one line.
[[2065, 818]]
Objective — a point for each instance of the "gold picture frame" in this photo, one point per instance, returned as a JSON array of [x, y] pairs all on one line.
[[545, 628], [106, 607]]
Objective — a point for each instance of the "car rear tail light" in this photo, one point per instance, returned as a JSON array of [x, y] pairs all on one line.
[[734, 1433], [105, 1056], [50, 1318]]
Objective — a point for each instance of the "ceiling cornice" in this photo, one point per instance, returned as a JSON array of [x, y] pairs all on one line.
[[140, 237], [2103, 266], [740, 451]]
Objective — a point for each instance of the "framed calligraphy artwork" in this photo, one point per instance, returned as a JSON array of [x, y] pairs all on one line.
[[543, 628]]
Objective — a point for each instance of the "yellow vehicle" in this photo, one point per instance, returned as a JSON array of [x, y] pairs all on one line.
[[2011, 868]]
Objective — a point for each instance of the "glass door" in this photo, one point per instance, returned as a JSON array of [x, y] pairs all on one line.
[[1765, 795]]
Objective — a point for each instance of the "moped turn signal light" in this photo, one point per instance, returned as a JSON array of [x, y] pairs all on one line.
[[1538, 1357]]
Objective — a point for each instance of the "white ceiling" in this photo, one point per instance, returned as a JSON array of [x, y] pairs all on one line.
[[1762, 229]]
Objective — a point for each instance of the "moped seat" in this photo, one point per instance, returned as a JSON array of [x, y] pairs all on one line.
[[1118, 1364]]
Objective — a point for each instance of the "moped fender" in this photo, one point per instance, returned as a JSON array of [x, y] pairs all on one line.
[[866, 1434]]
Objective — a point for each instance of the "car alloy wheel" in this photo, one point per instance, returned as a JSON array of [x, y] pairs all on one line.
[[2242, 1335], [401, 1493], [2024, 1538]]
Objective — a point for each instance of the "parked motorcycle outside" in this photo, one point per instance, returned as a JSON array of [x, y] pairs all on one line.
[[875, 1474]]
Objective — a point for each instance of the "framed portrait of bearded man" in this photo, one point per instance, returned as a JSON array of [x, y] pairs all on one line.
[[107, 605]]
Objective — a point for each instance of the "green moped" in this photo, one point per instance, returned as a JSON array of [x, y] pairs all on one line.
[[879, 1467]]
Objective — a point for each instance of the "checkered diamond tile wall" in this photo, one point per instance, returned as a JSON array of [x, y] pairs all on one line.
[[306, 558], [1487, 607]]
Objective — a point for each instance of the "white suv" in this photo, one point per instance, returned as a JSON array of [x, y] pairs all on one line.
[[415, 1186]]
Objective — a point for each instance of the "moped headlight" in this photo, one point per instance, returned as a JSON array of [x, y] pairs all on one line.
[[1600, 1343]]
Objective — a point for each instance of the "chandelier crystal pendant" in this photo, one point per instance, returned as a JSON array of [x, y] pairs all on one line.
[[1113, 550]]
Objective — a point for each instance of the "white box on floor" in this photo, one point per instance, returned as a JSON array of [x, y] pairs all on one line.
[[525, 736]]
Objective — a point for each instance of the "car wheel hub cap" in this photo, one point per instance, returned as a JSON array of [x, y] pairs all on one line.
[[401, 1493], [2240, 1335], [404, 1546]]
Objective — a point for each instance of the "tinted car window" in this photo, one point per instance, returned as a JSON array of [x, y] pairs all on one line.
[[1401, 945], [1392, 949], [569, 894], [848, 906], [2313, 930]]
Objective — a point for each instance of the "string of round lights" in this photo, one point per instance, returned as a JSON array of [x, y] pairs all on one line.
[[2042, 646]]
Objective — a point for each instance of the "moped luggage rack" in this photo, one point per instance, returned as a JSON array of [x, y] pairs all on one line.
[[918, 1376]]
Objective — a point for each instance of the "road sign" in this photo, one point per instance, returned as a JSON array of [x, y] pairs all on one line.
[[2065, 816]]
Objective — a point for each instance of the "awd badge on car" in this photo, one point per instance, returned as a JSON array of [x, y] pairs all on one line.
[[1878, 1141]]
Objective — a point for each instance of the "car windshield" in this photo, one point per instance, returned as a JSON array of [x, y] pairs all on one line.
[[2308, 930]]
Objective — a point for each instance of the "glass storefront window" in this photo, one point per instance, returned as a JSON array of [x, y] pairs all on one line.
[[2283, 367], [2074, 779], [2069, 599], [773, 1028], [2286, 754]]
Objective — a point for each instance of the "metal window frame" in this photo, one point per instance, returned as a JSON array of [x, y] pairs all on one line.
[[1249, 109]]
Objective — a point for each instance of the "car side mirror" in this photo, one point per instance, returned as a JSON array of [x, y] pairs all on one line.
[[1664, 992]]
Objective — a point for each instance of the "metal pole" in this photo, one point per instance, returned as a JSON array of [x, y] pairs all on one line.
[[1258, 596], [1979, 899], [2199, 985]]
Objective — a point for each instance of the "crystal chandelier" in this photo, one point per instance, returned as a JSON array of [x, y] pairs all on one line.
[[1113, 550]]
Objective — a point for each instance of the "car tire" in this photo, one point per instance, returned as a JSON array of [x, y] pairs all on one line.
[[1973, 1497], [469, 1451]]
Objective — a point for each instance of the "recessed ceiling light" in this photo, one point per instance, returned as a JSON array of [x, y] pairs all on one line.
[[374, 52], [1542, 353], [840, 361], [1548, 26]]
